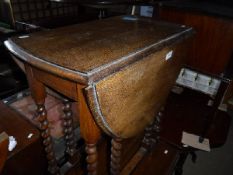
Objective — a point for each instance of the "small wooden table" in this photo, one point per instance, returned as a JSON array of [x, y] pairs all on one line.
[[118, 70]]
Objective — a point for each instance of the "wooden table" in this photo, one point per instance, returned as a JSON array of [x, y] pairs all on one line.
[[118, 70]]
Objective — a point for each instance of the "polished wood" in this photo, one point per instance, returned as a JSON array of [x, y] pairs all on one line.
[[116, 147], [39, 94], [101, 67], [4, 141], [89, 131], [124, 115], [68, 128], [91, 150], [209, 53], [82, 67], [63, 86]]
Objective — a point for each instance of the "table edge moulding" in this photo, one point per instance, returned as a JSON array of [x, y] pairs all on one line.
[[90, 64]]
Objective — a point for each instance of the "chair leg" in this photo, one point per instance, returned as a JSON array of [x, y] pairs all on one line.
[[194, 156], [180, 163]]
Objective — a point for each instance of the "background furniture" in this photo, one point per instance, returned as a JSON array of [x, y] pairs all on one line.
[[211, 54], [189, 112], [16, 125], [20, 16], [212, 47], [3, 149]]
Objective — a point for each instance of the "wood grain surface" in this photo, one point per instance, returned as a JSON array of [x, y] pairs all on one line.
[[124, 103], [212, 47], [95, 49]]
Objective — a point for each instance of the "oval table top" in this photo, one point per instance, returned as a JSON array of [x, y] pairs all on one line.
[[127, 65], [98, 47]]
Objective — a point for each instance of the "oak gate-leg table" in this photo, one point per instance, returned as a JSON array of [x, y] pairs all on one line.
[[118, 70]]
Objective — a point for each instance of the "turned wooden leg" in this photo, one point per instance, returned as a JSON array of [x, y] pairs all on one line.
[[91, 159], [152, 132], [38, 93], [115, 156], [90, 132], [47, 139], [156, 125], [146, 141], [68, 128]]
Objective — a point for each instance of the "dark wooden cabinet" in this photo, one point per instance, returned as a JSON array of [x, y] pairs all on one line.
[[213, 43], [28, 156]]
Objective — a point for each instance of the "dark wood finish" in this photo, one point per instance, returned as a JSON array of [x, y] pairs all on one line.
[[212, 46], [179, 116], [157, 162], [89, 131], [68, 128], [179, 166], [129, 147], [91, 150], [39, 94], [152, 133], [40, 11], [150, 139], [205, 121], [147, 139], [210, 119], [105, 56], [153, 162], [92, 63], [68, 88], [116, 147], [124, 115], [3, 149], [28, 151]]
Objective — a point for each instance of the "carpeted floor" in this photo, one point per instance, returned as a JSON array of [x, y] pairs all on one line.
[[217, 162]]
